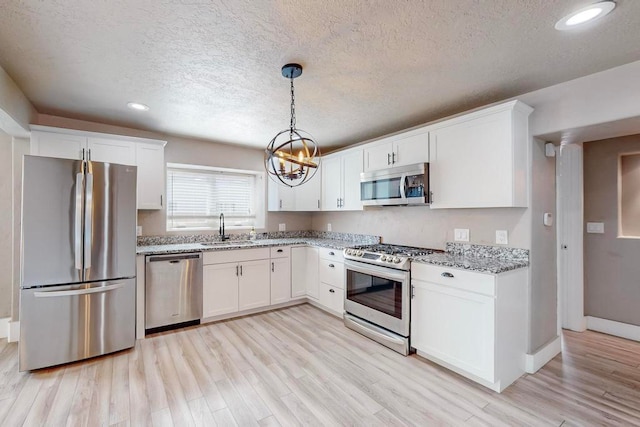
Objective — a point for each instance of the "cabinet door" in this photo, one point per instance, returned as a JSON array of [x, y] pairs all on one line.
[[412, 149], [280, 197], [313, 280], [471, 163], [454, 326], [378, 156], [308, 196], [280, 280], [151, 179], [112, 151], [352, 168], [58, 145], [219, 290], [331, 183], [298, 272], [255, 287]]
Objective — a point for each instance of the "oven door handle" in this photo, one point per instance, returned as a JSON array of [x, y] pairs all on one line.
[[384, 272]]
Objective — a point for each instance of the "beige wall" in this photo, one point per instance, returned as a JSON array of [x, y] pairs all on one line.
[[190, 151], [6, 225], [543, 293], [422, 226], [611, 267], [16, 112]]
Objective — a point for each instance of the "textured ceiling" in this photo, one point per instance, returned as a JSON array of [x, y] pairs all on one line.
[[211, 68]]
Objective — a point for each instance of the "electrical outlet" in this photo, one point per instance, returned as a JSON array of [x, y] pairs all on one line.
[[329, 227], [139, 230], [461, 234], [502, 237], [282, 227]]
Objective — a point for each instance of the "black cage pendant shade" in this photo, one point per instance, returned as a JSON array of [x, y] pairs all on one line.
[[292, 156]]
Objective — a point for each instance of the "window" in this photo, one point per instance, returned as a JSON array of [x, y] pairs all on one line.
[[197, 195]]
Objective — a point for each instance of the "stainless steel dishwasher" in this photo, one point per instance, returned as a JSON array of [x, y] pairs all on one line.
[[173, 291]]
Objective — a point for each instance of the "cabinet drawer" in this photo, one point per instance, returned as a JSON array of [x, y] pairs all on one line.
[[332, 273], [332, 298], [216, 257], [281, 252], [471, 281], [331, 254]]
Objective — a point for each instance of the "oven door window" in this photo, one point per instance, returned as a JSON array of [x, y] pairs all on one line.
[[378, 293]]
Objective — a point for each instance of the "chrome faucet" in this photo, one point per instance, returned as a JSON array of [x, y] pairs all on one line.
[[223, 237]]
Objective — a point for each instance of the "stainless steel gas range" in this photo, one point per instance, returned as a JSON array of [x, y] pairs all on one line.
[[378, 292]]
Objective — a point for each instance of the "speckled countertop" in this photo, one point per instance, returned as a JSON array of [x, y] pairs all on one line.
[[480, 258], [321, 239]]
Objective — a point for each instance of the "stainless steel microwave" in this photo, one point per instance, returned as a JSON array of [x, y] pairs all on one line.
[[403, 185]]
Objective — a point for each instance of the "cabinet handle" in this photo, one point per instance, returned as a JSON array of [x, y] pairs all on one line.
[[272, 268], [331, 253], [331, 265], [279, 251], [413, 292], [337, 203], [388, 158], [237, 271], [89, 154], [241, 270], [447, 274], [280, 203], [318, 203], [332, 291], [430, 196], [83, 154], [161, 200], [393, 158]]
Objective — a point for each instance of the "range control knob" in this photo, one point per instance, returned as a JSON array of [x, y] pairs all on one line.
[[383, 258], [360, 253], [396, 260], [349, 251]]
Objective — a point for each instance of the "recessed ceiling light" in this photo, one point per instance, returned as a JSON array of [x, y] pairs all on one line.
[[137, 106], [584, 15]]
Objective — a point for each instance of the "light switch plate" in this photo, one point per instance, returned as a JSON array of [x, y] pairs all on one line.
[[282, 227], [595, 227], [138, 230], [502, 237], [329, 227], [461, 234]]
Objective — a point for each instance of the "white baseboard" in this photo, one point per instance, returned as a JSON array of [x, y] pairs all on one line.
[[4, 327], [537, 360], [14, 331], [611, 327]]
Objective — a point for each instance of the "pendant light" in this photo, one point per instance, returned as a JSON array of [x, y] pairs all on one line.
[[292, 157]]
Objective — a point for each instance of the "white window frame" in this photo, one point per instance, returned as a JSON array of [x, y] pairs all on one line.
[[259, 196]]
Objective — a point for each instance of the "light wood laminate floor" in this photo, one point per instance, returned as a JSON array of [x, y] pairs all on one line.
[[301, 366]]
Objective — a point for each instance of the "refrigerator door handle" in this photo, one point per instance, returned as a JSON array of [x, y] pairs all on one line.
[[88, 221], [78, 221], [49, 294]]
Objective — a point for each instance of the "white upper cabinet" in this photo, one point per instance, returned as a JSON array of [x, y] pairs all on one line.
[[479, 160], [146, 154], [403, 149], [341, 181], [303, 198], [151, 179]]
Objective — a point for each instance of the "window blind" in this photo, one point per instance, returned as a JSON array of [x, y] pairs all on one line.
[[197, 197]]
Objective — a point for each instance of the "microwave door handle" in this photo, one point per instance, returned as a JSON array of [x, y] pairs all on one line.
[[403, 187]]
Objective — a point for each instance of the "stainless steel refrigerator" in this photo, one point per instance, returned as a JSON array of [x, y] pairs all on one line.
[[77, 296]]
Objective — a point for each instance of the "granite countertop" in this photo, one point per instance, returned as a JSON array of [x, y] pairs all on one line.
[[245, 244], [479, 258]]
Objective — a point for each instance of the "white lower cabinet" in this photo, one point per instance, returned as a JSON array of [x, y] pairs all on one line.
[[332, 298], [235, 280], [304, 272], [473, 323], [220, 289], [280, 275]]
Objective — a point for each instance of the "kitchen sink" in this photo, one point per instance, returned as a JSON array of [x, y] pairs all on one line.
[[228, 243]]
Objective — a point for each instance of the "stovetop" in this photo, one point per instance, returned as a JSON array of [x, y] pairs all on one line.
[[394, 256]]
